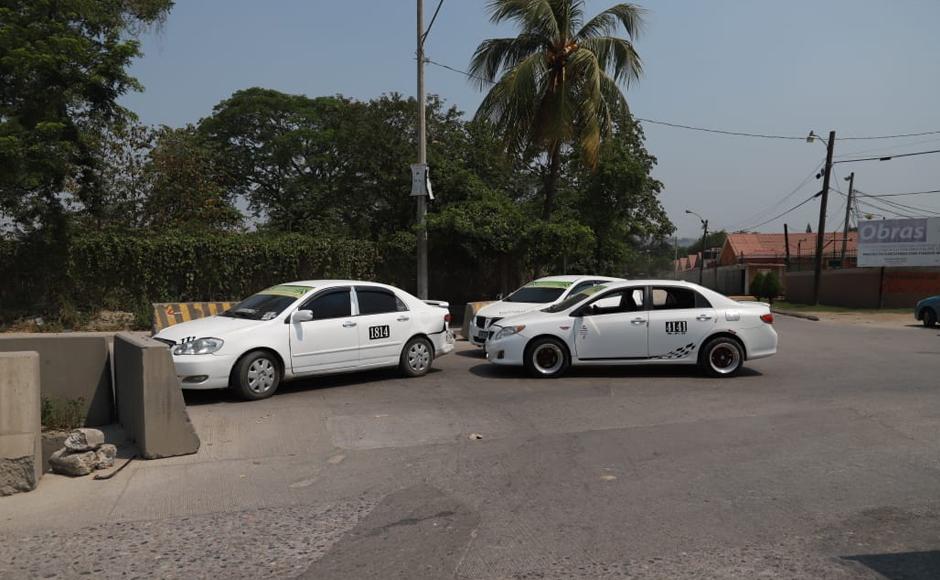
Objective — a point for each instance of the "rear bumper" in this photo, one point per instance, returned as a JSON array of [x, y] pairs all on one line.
[[760, 341], [444, 343]]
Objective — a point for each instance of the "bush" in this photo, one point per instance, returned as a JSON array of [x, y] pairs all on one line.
[[65, 414], [757, 286], [66, 279], [771, 286]]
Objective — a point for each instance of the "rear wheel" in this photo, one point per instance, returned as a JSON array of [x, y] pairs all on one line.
[[722, 357], [257, 375], [546, 358], [416, 357], [929, 317]]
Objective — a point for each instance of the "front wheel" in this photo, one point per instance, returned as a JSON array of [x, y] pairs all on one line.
[[257, 375], [416, 357], [930, 318], [546, 358], [722, 357]]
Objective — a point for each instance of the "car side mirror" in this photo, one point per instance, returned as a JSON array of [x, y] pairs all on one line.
[[301, 316]]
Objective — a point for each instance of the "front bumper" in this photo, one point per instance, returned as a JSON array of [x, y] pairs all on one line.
[[508, 351], [203, 371]]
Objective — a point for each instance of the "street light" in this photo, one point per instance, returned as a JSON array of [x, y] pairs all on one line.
[[701, 267]]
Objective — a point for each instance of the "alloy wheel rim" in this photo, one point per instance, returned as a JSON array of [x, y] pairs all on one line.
[[724, 359], [548, 358], [261, 374], [419, 357]]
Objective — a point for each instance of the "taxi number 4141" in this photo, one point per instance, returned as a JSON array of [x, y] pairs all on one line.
[[376, 332]]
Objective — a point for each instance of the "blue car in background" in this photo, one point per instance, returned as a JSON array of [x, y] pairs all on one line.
[[928, 311]]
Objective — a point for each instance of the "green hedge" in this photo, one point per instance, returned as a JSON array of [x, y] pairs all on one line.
[[129, 271]]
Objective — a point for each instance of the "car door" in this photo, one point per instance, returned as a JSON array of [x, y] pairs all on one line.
[[679, 320], [613, 326], [331, 340], [384, 325]]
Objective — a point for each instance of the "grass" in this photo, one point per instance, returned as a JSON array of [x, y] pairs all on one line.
[[65, 414], [780, 305]]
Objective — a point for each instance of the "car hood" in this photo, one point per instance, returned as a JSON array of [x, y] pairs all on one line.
[[211, 326], [503, 309], [531, 317]]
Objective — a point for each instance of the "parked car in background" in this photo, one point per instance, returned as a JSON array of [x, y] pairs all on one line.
[[536, 294], [928, 311], [309, 328], [636, 322]]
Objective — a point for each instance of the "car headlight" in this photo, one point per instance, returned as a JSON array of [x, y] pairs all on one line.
[[199, 346], [508, 331]]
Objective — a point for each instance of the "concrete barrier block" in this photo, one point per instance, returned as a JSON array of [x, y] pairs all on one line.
[[20, 429], [469, 312], [150, 399], [75, 365]]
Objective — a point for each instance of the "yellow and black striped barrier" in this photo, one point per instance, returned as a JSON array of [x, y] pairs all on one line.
[[170, 313]]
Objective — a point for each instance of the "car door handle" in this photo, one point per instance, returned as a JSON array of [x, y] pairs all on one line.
[[703, 317], [638, 321], [402, 318], [349, 324]]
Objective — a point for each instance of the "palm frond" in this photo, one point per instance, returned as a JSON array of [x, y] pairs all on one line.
[[495, 54], [617, 57], [511, 105], [628, 16], [533, 16]]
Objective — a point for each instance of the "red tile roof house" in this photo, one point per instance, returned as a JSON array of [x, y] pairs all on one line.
[[744, 255]]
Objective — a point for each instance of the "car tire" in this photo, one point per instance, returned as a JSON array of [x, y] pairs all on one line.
[[546, 358], [929, 317], [722, 357], [256, 375], [416, 357]]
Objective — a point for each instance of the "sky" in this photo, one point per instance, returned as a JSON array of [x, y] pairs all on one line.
[[859, 67]]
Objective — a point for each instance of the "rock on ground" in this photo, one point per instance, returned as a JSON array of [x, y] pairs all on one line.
[[73, 463], [105, 456], [84, 439]]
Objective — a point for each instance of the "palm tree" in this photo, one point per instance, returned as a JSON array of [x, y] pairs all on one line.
[[559, 79]]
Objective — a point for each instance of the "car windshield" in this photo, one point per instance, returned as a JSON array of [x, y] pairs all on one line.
[[267, 304], [574, 299], [538, 292]]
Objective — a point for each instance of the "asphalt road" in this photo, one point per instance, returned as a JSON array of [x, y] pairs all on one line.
[[821, 462]]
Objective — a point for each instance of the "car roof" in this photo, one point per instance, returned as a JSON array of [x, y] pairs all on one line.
[[575, 278], [324, 283]]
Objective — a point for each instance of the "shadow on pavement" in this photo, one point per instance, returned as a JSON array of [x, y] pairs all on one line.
[[490, 371], [471, 353], [905, 565], [208, 397]]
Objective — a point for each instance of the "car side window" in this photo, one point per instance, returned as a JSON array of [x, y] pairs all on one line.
[[674, 298], [377, 301], [625, 300], [332, 304]]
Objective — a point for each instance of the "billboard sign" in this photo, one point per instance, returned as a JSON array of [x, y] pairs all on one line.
[[901, 242]]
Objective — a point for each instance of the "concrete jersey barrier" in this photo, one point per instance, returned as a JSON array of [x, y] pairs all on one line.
[[169, 313], [150, 401], [469, 312], [20, 431]]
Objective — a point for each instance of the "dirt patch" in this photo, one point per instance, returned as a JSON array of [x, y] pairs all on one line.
[[874, 319]]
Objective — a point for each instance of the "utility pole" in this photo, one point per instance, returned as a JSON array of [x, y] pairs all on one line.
[[786, 244], [821, 230], [848, 209], [675, 263], [422, 160], [701, 265]]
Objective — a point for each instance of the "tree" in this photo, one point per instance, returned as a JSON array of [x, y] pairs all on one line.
[[560, 78], [757, 286], [185, 185], [771, 287], [63, 65]]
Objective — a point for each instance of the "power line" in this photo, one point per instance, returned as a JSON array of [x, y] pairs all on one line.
[[721, 131], [888, 157], [783, 200], [902, 194], [780, 215], [457, 70], [433, 18]]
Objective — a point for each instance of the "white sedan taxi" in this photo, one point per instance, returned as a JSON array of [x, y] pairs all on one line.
[[637, 322], [309, 328], [534, 295]]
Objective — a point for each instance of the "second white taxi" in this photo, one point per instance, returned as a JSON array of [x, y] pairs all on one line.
[[636, 322], [308, 328]]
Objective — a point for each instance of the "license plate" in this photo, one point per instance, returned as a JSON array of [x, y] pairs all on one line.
[[482, 336], [377, 332]]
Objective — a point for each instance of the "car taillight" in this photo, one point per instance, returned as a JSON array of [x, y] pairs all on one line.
[[447, 318], [768, 318]]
